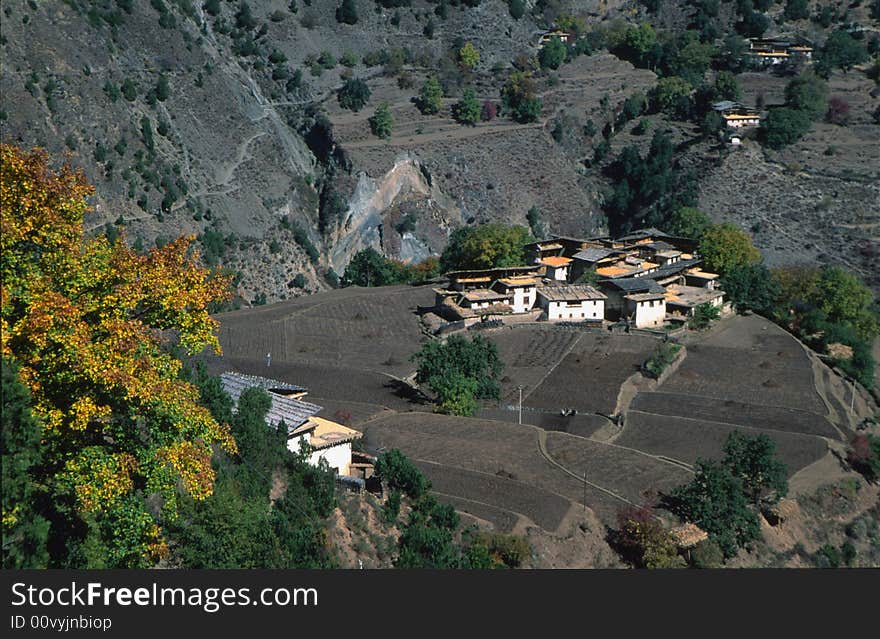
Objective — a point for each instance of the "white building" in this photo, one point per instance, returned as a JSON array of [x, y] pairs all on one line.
[[645, 310], [326, 439], [556, 268], [573, 302], [521, 288]]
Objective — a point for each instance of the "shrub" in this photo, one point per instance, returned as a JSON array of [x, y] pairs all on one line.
[[704, 314], [430, 97], [354, 94], [129, 90], [808, 93], [864, 455], [382, 122], [838, 111], [520, 98], [347, 12], [468, 56], [488, 111], [707, 554], [664, 354], [399, 473], [467, 110]]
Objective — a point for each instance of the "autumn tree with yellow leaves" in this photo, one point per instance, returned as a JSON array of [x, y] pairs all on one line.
[[88, 324]]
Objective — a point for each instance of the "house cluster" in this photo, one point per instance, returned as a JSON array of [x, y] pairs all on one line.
[[324, 439], [736, 115], [772, 51], [645, 279]]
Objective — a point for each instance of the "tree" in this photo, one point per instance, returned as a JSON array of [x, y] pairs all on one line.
[[844, 298], [725, 246], [520, 97], [456, 394], [842, 50], [485, 246], [354, 94], [468, 56], [129, 90], [399, 473], [716, 502], [838, 111], [727, 87], [382, 123], [431, 96], [751, 287], [25, 531], [163, 91], [704, 314], [796, 10], [347, 12], [552, 54], [808, 93], [367, 268], [689, 222], [864, 455], [467, 110], [477, 360], [784, 126], [517, 8], [644, 541], [672, 96], [753, 461], [85, 322]]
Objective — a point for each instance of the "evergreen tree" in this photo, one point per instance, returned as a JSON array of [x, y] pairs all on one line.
[[347, 12]]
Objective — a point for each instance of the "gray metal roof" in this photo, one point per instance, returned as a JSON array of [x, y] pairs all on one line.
[[641, 234], [675, 267], [594, 254], [634, 284], [293, 412], [570, 292]]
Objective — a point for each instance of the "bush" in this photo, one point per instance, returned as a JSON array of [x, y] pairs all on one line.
[[552, 54], [347, 12], [399, 473], [707, 554], [784, 126], [838, 111], [489, 111], [520, 98], [704, 314], [430, 97], [467, 110], [382, 123], [354, 94], [664, 354], [808, 93], [864, 455]]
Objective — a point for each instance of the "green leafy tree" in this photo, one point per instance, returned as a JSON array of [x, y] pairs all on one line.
[[439, 364], [354, 94], [552, 54], [725, 246], [468, 56], [784, 126], [382, 122], [808, 93], [369, 268], [455, 394], [842, 50], [431, 96], [517, 8], [796, 10], [347, 12], [520, 98], [672, 96], [399, 473], [716, 502], [727, 87], [163, 90], [844, 298], [485, 246], [753, 461], [468, 109], [689, 222], [704, 315], [751, 287], [25, 531]]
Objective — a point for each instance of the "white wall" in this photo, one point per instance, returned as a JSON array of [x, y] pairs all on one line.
[[585, 310], [647, 315], [338, 457], [519, 297]]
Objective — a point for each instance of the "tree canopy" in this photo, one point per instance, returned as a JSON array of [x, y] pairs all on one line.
[[725, 246], [83, 320], [354, 94], [485, 246]]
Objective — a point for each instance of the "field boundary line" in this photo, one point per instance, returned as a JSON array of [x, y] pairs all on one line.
[[553, 368], [715, 424], [521, 518]]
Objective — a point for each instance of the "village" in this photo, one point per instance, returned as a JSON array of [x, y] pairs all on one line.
[[644, 280]]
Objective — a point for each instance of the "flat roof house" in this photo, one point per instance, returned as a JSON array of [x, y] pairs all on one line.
[[521, 288], [556, 268]]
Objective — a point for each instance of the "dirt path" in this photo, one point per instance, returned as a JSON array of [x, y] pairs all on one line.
[[522, 522]]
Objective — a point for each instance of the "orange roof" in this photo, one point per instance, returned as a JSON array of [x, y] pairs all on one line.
[[518, 281], [556, 261], [612, 270]]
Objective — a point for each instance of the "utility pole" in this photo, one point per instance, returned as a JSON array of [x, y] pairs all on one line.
[[520, 403], [585, 491]]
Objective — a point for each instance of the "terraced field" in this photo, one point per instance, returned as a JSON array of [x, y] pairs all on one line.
[[374, 329]]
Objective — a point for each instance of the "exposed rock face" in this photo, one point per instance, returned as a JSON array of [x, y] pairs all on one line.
[[377, 203]]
